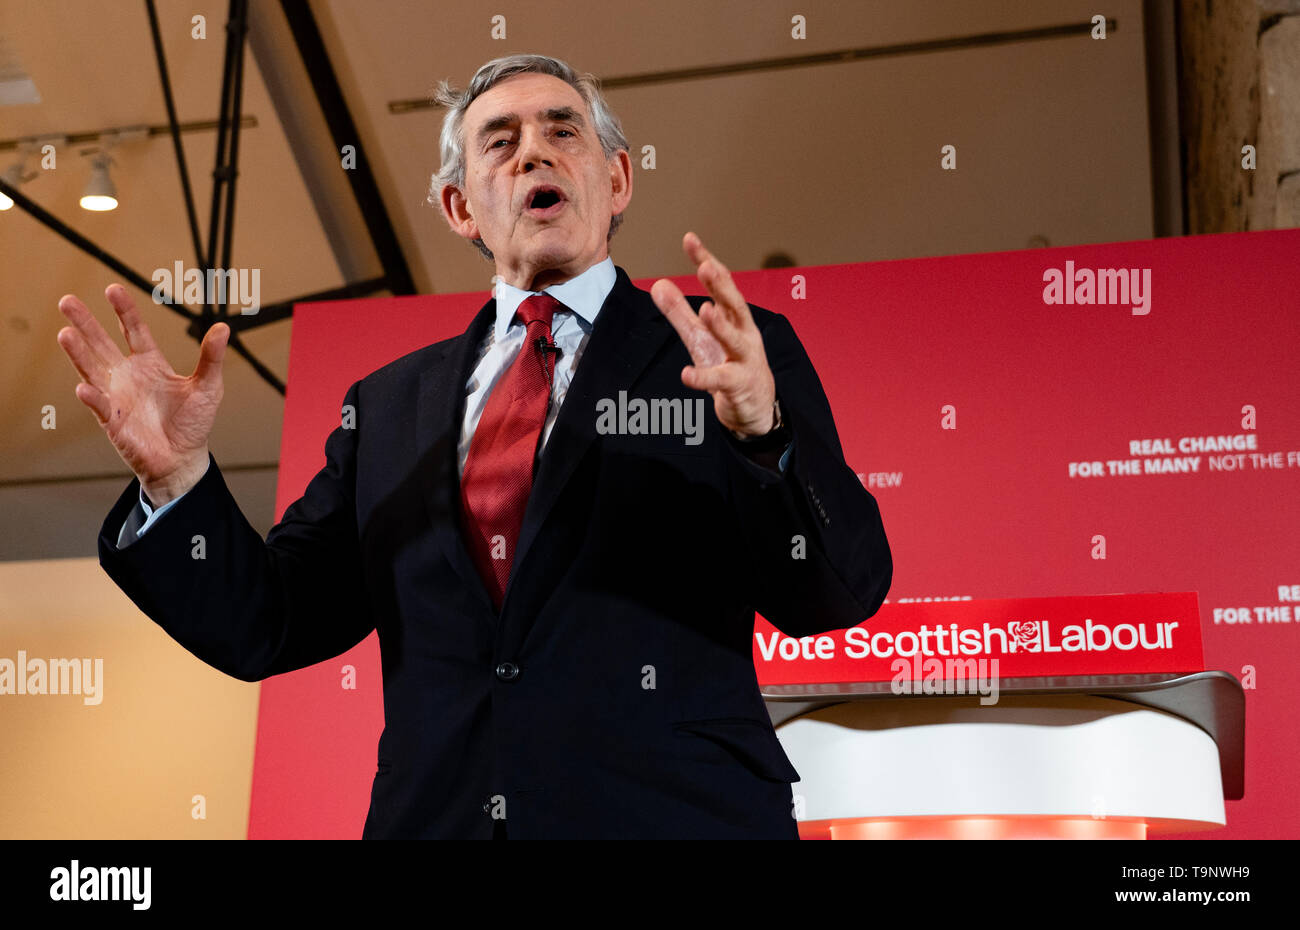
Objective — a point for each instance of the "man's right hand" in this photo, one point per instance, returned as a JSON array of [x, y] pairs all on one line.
[[157, 420]]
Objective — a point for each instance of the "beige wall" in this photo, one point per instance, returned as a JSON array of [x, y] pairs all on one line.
[[167, 727]]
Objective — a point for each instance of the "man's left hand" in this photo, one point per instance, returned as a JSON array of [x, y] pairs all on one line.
[[724, 343]]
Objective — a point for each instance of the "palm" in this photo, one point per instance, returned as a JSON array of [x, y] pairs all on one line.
[[706, 351], [159, 417], [157, 420]]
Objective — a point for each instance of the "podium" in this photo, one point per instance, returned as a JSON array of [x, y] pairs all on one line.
[[1074, 738], [1101, 757]]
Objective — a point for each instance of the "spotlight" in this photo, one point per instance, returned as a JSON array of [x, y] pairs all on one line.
[[100, 193]]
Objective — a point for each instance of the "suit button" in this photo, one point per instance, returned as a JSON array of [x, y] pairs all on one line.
[[507, 671]]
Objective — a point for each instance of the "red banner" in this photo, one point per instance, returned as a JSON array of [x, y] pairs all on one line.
[[1018, 447], [1002, 637]]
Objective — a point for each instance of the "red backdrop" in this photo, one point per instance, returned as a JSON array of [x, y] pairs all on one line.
[[986, 509]]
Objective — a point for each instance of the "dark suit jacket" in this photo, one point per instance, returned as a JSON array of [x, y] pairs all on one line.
[[615, 694]]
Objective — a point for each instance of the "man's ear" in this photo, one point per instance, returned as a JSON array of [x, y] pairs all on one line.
[[456, 209], [620, 181]]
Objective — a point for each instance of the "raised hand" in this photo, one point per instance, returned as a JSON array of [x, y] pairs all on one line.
[[724, 343], [157, 420]]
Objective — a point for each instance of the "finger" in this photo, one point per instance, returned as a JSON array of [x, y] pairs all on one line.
[[96, 400], [704, 349], [138, 337], [88, 364], [213, 349], [731, 338], [95, 336], [716, 277], [716, 378]]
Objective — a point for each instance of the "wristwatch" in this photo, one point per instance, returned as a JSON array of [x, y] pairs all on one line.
[[778, 437]]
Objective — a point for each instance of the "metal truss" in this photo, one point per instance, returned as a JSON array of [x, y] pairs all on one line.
[[225, 172]]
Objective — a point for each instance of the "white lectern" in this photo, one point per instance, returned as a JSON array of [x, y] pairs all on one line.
[[1099, 756]]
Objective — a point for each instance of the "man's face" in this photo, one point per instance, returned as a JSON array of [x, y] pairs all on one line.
[[538, 188]]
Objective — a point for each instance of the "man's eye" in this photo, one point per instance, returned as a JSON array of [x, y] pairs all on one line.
[[563, 130], [498, 142]]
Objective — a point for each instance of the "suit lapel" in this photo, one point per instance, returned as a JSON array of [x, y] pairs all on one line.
[[628, 332], [440, 411]]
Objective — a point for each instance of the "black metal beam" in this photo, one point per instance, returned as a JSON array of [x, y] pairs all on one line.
[[325, 85], [283, 310], [175, 130], [219, 168], [236, 30], [224, 171], [267, 374]]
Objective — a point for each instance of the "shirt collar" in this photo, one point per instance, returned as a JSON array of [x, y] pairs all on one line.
[[584, 295]]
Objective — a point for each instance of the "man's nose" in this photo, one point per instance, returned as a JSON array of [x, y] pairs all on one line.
[[534, 150]]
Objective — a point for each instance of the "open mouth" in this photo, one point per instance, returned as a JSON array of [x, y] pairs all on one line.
[[545, 201]]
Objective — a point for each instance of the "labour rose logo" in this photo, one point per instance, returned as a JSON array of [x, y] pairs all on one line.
[[1027, 635]]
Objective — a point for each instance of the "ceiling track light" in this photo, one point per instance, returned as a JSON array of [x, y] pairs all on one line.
[[100, 195]]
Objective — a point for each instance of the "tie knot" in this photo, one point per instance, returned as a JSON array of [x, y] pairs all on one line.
[[538, 307]]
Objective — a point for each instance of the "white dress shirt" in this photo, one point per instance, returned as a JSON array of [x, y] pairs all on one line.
[[582, 298]]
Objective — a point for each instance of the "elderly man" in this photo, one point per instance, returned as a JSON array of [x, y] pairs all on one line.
[[561, 545]]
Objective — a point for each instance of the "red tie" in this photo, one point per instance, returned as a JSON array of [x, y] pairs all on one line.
[[499, 468]]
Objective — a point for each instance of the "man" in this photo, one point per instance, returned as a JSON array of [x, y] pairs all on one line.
[[564, 591]]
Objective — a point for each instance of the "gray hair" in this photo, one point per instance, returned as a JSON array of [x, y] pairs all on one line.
[[452, 141]]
